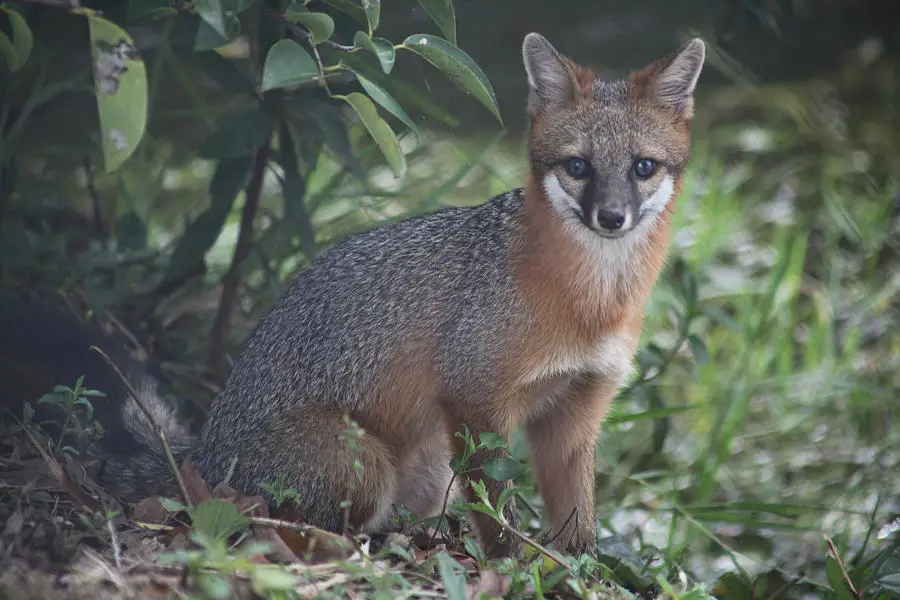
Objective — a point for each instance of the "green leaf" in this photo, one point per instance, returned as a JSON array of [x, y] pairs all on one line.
[[382, 49], [210, 12], [328, 125], [836, 579], [475, 507], [379, 130], [454, 582], [320, 25], [886, 568], [352, 9], [458, 65], [458, 462], [734, 586], [172, 505], [120, 84], [8, 52], [504, 498], [218, 25], [373, 13], [200, 235], [481, 492], [240, 135], [294, 191], [380, 95], [208, 38], [214, 585], [889, 582], [148, 9], [287, 63], [441, 12], [491, 441], [503, 469], [88, 407], [217, 519], [698, 348], [689, 286], [22, 41]]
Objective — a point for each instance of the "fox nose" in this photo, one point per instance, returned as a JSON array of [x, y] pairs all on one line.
[[610, 219]]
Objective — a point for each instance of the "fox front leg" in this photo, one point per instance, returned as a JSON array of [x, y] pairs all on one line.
[[562, 447]]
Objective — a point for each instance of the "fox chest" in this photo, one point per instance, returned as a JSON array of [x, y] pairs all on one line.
[[610, 360]]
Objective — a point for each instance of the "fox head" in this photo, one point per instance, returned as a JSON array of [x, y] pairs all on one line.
[[609, 154]]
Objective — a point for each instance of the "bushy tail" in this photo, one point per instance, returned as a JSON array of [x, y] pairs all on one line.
[[42, 346], [144, 471]]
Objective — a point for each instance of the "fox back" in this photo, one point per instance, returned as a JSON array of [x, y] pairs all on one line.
[[522, 312]]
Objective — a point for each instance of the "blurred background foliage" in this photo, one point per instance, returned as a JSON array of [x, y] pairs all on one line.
[[761, 415]]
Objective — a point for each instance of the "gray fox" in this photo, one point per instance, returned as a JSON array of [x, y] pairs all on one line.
[[523, 311]]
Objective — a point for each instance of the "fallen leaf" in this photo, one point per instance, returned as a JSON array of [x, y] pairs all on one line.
[[150, 510], [252, 506], [196, 487], [310, 543], [79, 498], [279, 549]]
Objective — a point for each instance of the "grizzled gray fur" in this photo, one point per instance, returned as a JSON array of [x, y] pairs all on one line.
[[332, 333]]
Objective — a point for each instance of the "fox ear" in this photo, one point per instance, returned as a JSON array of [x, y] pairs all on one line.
[[676, 77], [551, 80]]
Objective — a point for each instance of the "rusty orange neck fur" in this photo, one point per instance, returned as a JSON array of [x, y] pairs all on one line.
[[565, 281]]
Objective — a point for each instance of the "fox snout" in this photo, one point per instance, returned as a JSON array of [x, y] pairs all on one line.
[[608, 211]]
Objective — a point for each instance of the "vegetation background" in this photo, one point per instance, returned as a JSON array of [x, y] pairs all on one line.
[[755, 452]]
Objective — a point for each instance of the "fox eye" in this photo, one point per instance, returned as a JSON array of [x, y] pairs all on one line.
[[644, 167], [578, 168]]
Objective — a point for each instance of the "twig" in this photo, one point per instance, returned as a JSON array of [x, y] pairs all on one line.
[[342, 541], [341, 47], [117, 552], [159, 430], [564, 526], [279, 524], [533, 543], [304, 33], [99, 227], [126, 332], [837, 558], [241, 250], [443, 508], [308, 38]]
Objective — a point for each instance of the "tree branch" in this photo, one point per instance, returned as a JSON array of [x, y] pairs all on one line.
[[232, 278]]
